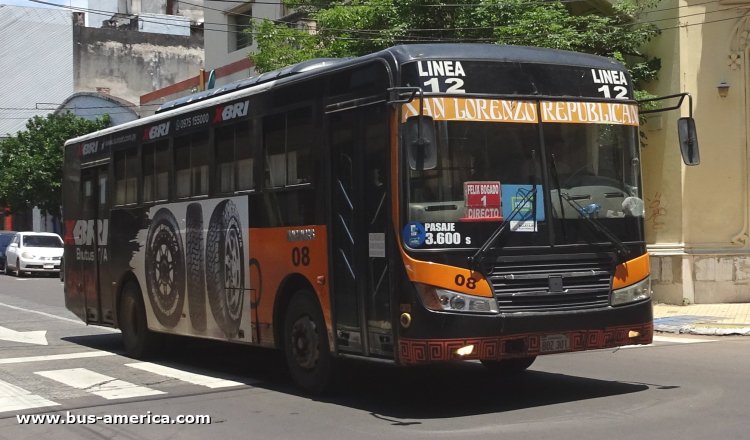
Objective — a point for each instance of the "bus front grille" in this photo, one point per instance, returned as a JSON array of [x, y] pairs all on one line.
[[546, 286]]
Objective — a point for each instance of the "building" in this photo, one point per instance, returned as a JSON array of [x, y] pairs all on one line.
[[698, 218], [52, 60]]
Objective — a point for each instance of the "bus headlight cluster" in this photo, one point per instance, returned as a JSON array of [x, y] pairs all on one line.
[[637, 292], [438, 299]]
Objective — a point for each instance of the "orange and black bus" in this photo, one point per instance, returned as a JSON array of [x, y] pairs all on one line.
[[421, 204]]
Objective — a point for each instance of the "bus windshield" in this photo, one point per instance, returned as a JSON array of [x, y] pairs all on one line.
[[485, 168]]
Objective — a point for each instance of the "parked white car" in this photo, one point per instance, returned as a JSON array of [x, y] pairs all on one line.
[[36, 252]]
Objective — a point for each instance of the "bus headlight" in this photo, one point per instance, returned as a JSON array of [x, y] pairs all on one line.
[[637, 292], [438, 299]]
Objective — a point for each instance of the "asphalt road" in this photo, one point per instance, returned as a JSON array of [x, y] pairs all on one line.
[[679, 388]]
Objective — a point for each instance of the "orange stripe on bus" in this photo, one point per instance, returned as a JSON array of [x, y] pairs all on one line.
[[630, 272], [447, 277]]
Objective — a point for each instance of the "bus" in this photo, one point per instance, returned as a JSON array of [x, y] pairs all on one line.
[[421, 204]]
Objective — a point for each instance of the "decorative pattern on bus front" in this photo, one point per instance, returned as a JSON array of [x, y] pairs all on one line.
[[548, 286]]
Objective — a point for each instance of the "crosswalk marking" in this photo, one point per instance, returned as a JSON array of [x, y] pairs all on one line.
[[679, 340], [98, 384], [186, 376], [56, 357], [13, 398], [659, 340]]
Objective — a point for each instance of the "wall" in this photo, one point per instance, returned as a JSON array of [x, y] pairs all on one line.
[[34, 43], [218, 33], [131, 64], [697, 218]]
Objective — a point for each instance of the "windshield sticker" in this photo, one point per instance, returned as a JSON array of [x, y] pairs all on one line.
[[520, 196], [443, 234], [414, 234], [472, 109], [590, 113], [483, 201]]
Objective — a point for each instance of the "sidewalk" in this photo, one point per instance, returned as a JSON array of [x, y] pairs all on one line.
[[703, 319]]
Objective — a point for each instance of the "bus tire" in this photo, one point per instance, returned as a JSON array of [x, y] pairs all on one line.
[[196, 283], [306, 348], [138, 340], [225, 267], [508, 367], [165, 268]]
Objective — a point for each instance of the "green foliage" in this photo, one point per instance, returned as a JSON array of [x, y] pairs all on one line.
[[357, 27], [31, 161]]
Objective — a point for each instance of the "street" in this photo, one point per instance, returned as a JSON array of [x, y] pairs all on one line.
[[681, 387]]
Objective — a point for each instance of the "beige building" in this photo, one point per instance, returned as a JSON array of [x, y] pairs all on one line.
[[698, 218]]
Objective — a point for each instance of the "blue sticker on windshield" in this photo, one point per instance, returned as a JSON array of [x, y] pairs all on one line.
[[514, 195], [413, 234]]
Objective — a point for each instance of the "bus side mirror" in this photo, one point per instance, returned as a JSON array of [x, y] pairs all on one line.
[[688, 141], [420, 143]]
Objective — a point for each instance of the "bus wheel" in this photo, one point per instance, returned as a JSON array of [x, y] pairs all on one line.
[[196, 272], [509, 366], [225, 267], [165, 268], [306, 344], [139, 341]]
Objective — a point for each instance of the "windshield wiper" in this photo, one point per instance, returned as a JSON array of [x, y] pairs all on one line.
[[476, 260], [595, 225]]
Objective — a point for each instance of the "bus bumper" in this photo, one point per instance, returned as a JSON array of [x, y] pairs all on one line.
[[521, 335]]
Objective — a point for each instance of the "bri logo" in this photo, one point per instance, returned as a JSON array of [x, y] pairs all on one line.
[[83, 232], [231, 111], [156, 131]]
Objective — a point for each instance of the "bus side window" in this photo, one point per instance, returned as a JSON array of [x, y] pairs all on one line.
[[191, 159], [155, 158], [126, 177], [234, 158], [288, 145]]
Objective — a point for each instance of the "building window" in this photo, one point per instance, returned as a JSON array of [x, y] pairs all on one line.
[[239, 29]]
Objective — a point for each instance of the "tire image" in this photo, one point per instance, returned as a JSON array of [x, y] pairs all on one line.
[[165, 268], [225, 267], [196, 278]]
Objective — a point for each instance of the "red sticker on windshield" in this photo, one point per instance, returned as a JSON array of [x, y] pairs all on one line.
[[483, 201]]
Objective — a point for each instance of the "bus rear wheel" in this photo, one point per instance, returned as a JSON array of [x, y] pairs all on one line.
[[509, 366], [139, 341], [306, 344]]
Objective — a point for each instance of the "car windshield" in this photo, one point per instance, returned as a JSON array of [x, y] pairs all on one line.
[[47, 241]]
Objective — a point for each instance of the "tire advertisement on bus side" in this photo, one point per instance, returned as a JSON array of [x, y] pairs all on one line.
[[192, 266]]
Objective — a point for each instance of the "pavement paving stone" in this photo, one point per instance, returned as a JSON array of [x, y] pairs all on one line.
[[703, 319]]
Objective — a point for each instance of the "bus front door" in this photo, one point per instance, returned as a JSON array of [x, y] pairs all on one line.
[[360, 273]]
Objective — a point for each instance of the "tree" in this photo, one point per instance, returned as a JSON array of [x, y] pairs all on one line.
[[31, 161], [356, 27]]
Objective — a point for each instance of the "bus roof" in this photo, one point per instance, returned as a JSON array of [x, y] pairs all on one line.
[[397, 55]]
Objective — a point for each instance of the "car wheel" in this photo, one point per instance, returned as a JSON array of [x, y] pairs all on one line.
[[62, 271], [509, 367], [165, 268], [225, 267], [7, 269], [18, 269], [196, 286], [138, 340], [306, 344]]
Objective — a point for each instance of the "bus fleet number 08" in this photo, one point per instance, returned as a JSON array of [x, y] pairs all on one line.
[[444, 238]]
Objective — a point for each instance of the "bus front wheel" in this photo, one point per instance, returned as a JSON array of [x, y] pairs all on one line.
[[306, 344], [509, 366], [138, 340]]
